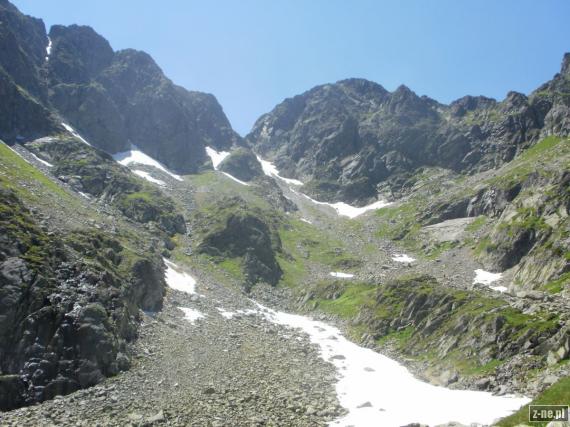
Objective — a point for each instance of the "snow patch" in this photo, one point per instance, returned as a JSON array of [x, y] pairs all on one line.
[[149, 178], [269, 169], [43, 162], [217, 157], [74, 133], [487, 278], [306, 220], [179, 280], [87, 196], [341, 275], [345, 209], [229, 314], [403, 258], [226, 314], [395, 396], [235, 179], [48, 49], [191, 314], [134, 155]]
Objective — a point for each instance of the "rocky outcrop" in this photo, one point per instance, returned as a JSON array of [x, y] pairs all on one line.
[[94, 172], [237, 231], [242, 164], [351, 139], [453, 331], [69, 306]]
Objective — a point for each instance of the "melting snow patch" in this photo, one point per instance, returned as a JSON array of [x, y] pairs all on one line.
[[149, 178], [230, 314], [403, 258], [345, 209], [378, 391], [226, 314], [306, 220], [43, 162], [217, 157], [235, 179], [341, 275], [74, 133], [134, 155], [84, 195], [191, 314], [178, 280], [486, 278], [48, 49], [269, 169]]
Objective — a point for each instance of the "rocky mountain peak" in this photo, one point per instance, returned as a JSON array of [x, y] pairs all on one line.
[[467, 103], [565, 69], [364, 88], [78, 54]]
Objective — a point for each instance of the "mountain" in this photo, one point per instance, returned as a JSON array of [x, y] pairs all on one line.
[[352, 139], [141, 286], [113, 99]]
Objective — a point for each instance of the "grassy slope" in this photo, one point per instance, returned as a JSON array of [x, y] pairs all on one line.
[[557, 394]]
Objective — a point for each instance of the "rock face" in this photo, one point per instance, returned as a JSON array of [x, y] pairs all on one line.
[[120, 98], [353, 138], [56, 339], [23, 44], [242, 164], [114, 99], [237, 231]]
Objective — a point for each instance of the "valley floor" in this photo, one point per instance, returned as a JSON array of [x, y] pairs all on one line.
[[213, 371]]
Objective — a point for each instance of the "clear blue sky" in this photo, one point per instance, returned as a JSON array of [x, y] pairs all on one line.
[[252, 54]]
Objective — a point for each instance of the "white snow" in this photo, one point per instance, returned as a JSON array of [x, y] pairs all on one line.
[[217, 157], [49, 165], [235, 179], [396, 397], [487, 278], [191, 314], [345, 209], [340, 207], [230, 314], [225, 313], [269, 169], [341, 275], [306, 220], [134, 155], [403, 258], [87, 196], [74, 133], [48, 49], [179, 280], [149, 178]]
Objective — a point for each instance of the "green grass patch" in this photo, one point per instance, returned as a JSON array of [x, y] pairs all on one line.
[[557, 394], [18, 172], [477, 224], [353, 298], [558, 285]]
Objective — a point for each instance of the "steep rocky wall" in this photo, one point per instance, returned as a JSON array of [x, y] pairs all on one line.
[[69, 306]]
